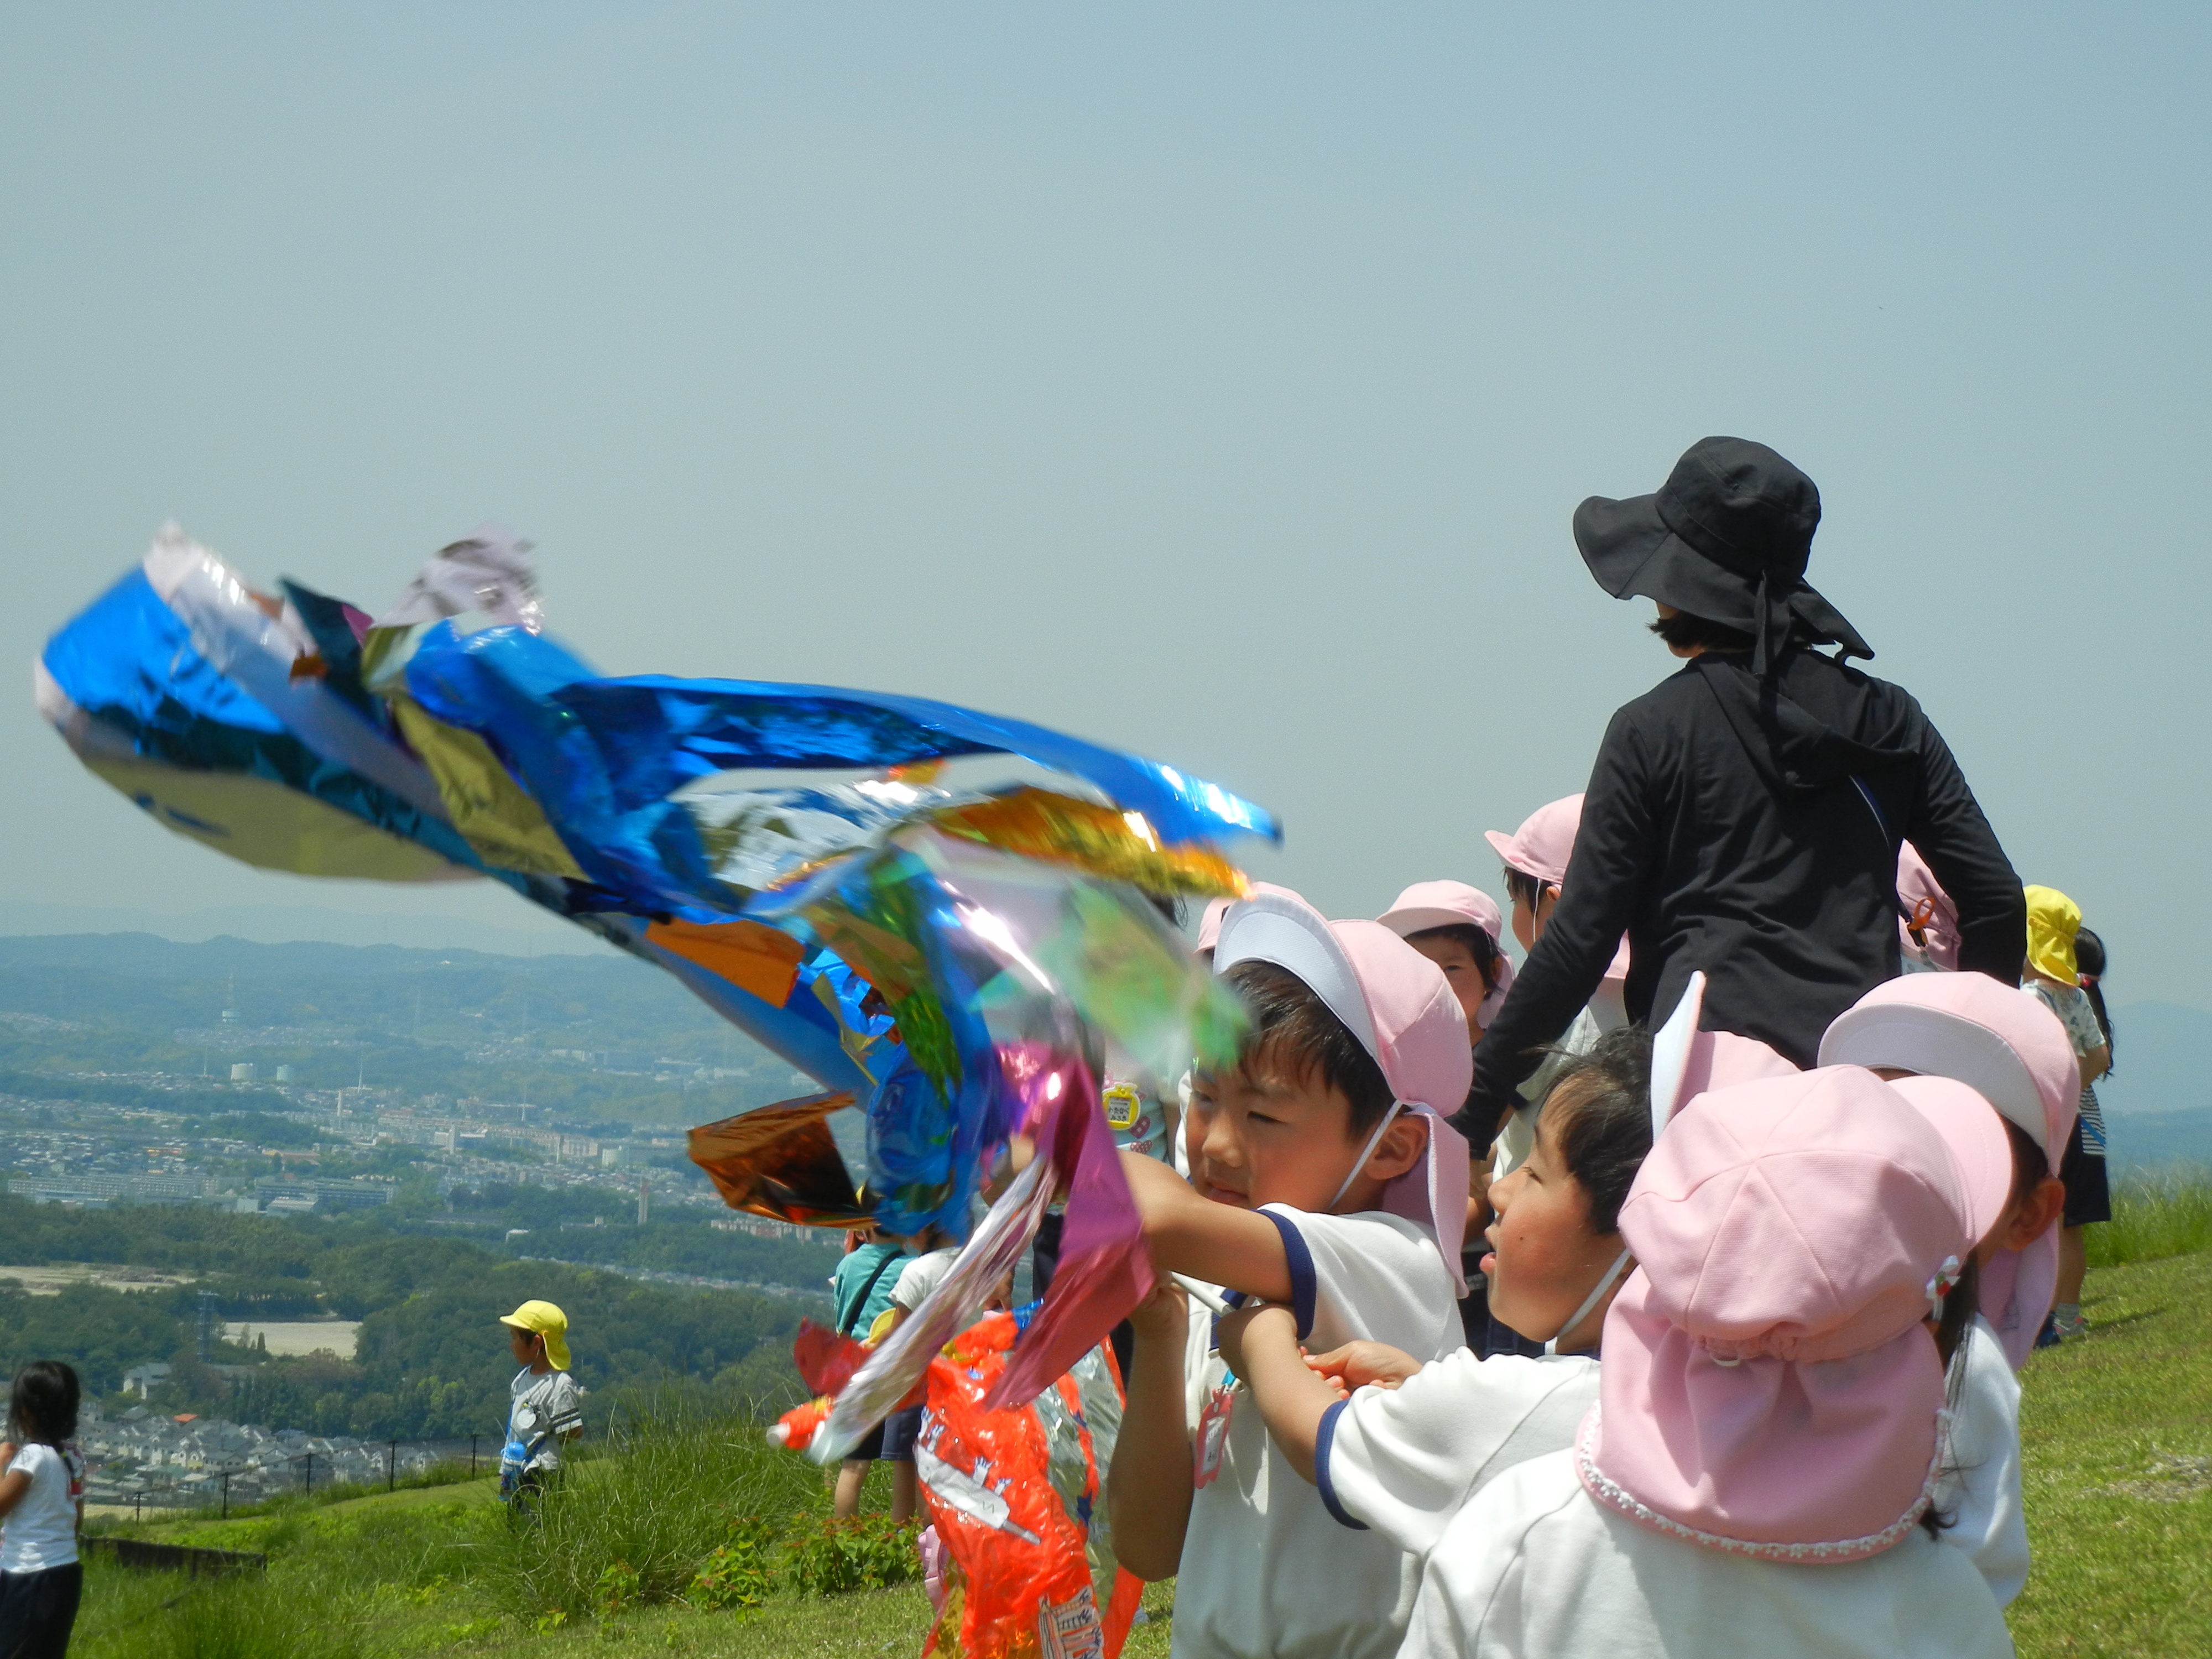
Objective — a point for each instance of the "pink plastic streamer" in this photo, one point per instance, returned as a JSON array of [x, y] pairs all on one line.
[[1104, 1270], [1043, 1083]]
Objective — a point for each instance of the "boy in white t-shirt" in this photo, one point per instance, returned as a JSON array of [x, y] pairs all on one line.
[[1753, 1481], [2010, 1050], [41, 1511], [1326, 1181], [544, 1409]]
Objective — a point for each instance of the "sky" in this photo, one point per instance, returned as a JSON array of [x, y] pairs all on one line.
[[1219, 382]]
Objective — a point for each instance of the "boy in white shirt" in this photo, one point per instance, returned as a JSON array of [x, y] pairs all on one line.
[[1326, 1181], [1752, 1483], [2012, 1052]]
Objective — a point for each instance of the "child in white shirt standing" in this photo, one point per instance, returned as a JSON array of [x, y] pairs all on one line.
[[2012, 1053], [1536, 856], [2054, 923], [1753, 1481], [1407, 1454], [1326, 1181], [41, 1512]]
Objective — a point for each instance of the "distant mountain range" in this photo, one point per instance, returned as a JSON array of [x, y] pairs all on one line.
[[533, 934], [2158, 1101]]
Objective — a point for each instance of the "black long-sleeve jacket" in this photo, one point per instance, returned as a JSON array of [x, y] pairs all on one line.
[[1752, 831]]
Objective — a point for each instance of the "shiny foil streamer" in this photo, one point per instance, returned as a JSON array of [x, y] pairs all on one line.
[[781, 1162]]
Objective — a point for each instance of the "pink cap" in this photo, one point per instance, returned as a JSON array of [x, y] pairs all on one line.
[[1976, 1141], [1428, 904], [1768, 1388], [1543, 847], [1928, 907], [1209, 925], [1686, 1062], [2009, 1047], [1401, 1007], [2001, 1043], [1544, 843]]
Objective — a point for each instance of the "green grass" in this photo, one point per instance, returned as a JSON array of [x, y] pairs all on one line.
[[2117, 1435], [2153, 1216], [2117, 1432]]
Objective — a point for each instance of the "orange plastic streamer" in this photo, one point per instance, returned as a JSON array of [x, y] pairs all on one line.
[[751, 956], [1035, 1578], [1103, 840], [781, 1162]]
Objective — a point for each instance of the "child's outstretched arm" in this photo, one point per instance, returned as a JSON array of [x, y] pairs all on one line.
[[1358, 1365], [1148, 1484], [1220, 1243], [1261, 1345]]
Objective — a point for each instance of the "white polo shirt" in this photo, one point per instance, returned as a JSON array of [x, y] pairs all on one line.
[[1264, 1569], [1540, 1570], [1405, 1461]]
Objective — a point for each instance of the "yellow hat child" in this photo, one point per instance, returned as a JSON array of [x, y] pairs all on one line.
[[2053, 919], [549, 1323]]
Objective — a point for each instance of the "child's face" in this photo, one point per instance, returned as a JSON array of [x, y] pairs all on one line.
[[1529, 920], [1261, 1134], [1544, 1254], [1467, 982], [524, 1344]]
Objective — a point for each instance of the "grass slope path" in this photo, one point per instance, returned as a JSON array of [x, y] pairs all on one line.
[[2117, 1435], [2117, 1432]]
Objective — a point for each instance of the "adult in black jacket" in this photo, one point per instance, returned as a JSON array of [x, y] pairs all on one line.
[[1744, 816]]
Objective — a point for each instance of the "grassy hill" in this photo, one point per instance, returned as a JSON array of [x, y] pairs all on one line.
[[2117, 1432]]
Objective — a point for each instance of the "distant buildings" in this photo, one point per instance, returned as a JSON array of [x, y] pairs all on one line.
[[143, 1380], [282, 1196], [144, 1457]]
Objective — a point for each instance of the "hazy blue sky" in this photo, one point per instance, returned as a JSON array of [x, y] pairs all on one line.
[[1216, 380]]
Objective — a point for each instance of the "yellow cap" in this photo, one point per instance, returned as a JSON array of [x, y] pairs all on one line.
[[549, 1323], [2052, 922]]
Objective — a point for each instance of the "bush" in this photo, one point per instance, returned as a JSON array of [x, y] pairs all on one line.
[[656, 1498], [737, 1575], [835, 1557], [2155, 1216]]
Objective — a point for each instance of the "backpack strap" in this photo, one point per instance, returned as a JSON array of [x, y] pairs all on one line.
[[848, 1316]]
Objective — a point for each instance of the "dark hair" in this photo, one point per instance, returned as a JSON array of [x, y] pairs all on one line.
[[1960, 1305], [2029, 1165], [1479, 946], [1524, 888], [1684, 630], [42, 1406], [1289, 1018], [1600, 1106], [2089, 958]]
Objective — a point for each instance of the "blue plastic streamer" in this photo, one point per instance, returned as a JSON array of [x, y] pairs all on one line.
[[603, 756]]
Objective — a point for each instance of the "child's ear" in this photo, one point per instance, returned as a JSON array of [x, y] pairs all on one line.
[[1400, 1148], [2034, 1218]]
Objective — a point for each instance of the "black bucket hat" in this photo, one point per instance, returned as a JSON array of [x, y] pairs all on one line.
[[1727, 539]]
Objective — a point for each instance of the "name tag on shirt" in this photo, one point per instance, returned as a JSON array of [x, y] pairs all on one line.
[[1213, 1434]]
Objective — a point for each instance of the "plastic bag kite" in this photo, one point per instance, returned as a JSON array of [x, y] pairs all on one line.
[[1018, 1497], [960, 959]]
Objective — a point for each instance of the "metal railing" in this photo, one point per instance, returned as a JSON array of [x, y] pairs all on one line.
[[211, 1486]]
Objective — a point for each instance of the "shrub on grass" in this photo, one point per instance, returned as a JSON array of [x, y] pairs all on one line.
[[2155, 1216], [658, 1497], [736, 1576], [835, 1557]]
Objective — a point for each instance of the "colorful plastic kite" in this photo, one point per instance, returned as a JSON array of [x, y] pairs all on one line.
[[958, 959]]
